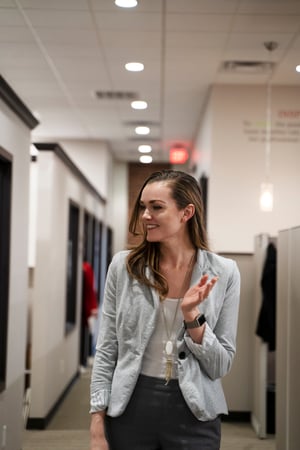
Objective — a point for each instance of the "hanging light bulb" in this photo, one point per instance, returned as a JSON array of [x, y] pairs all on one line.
[[266, 197], [266, 190]]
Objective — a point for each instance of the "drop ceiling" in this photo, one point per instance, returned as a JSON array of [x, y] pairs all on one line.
[[57, 54]]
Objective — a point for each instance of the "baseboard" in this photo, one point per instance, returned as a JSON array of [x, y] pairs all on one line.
[[40, 423], [237, 416]]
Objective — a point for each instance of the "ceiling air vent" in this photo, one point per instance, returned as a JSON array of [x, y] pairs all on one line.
[[116, 95], [247, 67]]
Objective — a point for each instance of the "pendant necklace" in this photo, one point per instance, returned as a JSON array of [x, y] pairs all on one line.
[[169, 346]]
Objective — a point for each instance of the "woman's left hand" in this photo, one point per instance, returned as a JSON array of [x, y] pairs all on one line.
[[196, 295]]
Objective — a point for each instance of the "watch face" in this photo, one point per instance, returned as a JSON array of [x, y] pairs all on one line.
[[201, 319]]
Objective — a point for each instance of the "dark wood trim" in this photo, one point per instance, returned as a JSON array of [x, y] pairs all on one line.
[[56, 148], [71, 284], [40, 423], [10, 98], [5, 217]]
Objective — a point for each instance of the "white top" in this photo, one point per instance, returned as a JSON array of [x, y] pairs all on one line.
[[154, 359]]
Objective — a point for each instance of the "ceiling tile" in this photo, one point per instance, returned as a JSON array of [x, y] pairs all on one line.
[[59, 19], [117, 39], [6, 3], [270, 7], [118, 21], [296, 43], [70, 36], [266, 23], [255, 41], [55, 4], [78, 46], [198, 22], [202, 6], [195, 40], [15, 34], [22, 55], [10, 18]]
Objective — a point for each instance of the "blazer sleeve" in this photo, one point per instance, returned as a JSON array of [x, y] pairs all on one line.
[[107, 347], [216, 353]]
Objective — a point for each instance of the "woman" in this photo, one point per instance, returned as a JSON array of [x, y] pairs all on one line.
[[167, 330]]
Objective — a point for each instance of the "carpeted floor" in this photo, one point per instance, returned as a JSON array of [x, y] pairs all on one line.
[[68, 429], [74, 411]]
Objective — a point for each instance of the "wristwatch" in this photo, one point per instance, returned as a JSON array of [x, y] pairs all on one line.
[[196, 323]]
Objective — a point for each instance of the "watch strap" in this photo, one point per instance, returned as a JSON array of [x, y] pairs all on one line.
[[196, 323]]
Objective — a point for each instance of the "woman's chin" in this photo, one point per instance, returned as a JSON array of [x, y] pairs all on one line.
[[151, 238]]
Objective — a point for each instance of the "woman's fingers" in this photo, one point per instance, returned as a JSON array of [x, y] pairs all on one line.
[[205, 286], [199, 292], [204, 281]]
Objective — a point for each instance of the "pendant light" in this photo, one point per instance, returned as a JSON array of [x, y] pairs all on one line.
[[266, 191]]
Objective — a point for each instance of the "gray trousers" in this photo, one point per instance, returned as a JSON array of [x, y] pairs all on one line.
[[158, 418]]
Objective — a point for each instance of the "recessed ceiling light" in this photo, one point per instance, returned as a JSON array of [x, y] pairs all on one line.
[[126, 3], [139, 104], [146, 159], [145, 148], [134, 66], [298, 68], [142, 130]]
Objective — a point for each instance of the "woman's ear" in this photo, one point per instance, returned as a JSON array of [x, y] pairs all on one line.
[[188, 211]]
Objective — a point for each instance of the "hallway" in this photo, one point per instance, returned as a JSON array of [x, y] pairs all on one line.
[[69, 427]]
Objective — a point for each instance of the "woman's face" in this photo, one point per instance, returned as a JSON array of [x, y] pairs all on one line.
[[160, 215]]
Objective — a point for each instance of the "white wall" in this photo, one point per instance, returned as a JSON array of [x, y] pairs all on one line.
[[238, 385], [94, 160], [118, 206], [237, 168], [110, 178], [55, 356], [200, 161], [15, 139], [230, 149]]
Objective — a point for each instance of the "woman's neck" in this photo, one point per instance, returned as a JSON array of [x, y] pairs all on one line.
[[176, 258], [177, 267]]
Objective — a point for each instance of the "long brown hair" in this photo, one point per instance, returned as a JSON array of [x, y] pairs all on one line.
[[184, 190]]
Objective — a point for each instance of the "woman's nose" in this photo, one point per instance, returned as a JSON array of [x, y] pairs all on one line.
[[146, 214]]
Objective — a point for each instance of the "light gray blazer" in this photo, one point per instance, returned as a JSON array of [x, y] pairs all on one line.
[[128, 316]]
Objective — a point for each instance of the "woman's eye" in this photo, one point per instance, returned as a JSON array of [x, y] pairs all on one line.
[[150, 208]]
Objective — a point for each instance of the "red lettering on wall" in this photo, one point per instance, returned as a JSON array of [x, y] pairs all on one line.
[[289, 114]]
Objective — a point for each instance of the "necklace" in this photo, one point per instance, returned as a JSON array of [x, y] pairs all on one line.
[[169, 346]]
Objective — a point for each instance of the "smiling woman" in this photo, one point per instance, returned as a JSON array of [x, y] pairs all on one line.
[[166, 333]]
